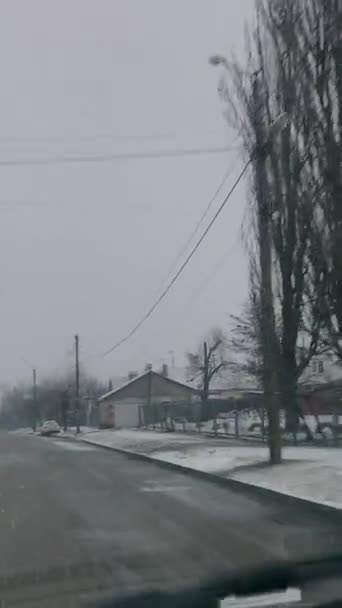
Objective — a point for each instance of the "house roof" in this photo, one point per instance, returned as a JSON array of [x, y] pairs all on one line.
[[152, 373]]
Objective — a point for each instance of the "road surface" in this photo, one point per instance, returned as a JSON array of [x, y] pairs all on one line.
[[79, 522]]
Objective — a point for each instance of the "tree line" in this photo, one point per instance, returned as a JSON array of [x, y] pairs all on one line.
[[54, 399]]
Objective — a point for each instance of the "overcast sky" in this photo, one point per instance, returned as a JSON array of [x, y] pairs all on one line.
[[85, 247]]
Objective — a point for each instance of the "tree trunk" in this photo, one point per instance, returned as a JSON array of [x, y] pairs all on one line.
[[290, 406], [288, 390], [309, 435]]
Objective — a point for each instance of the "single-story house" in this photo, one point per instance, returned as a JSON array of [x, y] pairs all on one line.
[[124, 406]]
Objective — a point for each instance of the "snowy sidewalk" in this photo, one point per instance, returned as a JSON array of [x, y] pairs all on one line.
[[311, 473]]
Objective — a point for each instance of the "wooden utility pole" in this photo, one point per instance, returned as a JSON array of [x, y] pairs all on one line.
[[205, 385], [268, 335], [205, 373], [77, 385], [34, 398]]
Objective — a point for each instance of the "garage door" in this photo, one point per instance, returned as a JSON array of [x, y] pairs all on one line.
[[126, 415]]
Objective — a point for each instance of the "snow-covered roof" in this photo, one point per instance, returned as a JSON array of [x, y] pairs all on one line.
[[165, 378]]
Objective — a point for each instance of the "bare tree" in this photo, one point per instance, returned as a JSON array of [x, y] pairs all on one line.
[[55, 393], [318, 35], [207, 362], [290, 181], [244, 342]]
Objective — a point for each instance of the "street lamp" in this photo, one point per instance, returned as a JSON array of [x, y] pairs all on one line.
[[216, 60], [280, 122]]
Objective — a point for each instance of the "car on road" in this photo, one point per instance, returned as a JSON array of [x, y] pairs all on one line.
[[49, 427]]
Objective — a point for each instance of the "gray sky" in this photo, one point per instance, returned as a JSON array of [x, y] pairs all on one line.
[[85, 248]]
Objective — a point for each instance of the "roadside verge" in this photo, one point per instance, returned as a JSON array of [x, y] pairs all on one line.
[[311, 508]]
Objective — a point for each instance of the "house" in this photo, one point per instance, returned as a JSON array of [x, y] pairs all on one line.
[[322, 369], [125, 406]]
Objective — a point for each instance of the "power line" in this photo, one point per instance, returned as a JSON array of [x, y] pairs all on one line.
[[214, 271], [199, 222], [185, 263], [97, 136], [101, 158], [82, 138], [8, 204]]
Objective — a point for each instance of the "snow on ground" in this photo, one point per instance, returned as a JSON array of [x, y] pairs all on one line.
[[83, 429], [314, 481], [311, 473], [146, 441], [213, 459]]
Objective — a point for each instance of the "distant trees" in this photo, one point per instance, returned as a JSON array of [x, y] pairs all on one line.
[[55, 399], [16, 408]]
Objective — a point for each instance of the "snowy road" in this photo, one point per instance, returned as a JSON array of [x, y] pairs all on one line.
[[77, 521]]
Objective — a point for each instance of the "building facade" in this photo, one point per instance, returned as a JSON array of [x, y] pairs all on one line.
[[125, 407]]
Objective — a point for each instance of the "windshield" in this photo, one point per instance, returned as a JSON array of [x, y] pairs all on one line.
[[171, 293]]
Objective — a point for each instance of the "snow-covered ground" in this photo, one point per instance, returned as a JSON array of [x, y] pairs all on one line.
[[72, 431], [311, 473], [23, 431], [147, 441], [69, 433]]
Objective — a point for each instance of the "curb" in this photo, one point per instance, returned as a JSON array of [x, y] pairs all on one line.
[[314, 509]]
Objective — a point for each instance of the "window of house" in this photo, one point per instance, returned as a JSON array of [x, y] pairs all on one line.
[[317, 367]]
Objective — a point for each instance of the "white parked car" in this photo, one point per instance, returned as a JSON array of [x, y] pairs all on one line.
[[49, 427]]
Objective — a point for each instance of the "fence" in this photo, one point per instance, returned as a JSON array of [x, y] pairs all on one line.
[[216, 417], [234, 419]]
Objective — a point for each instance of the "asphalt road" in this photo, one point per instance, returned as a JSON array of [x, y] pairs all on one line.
[[78, 523]]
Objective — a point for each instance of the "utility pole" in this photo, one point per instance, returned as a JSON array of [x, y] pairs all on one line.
[[266, 294], [268, 335], [205, 387], [77, 385], [205, 373], [34, 397], [336, 157]]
